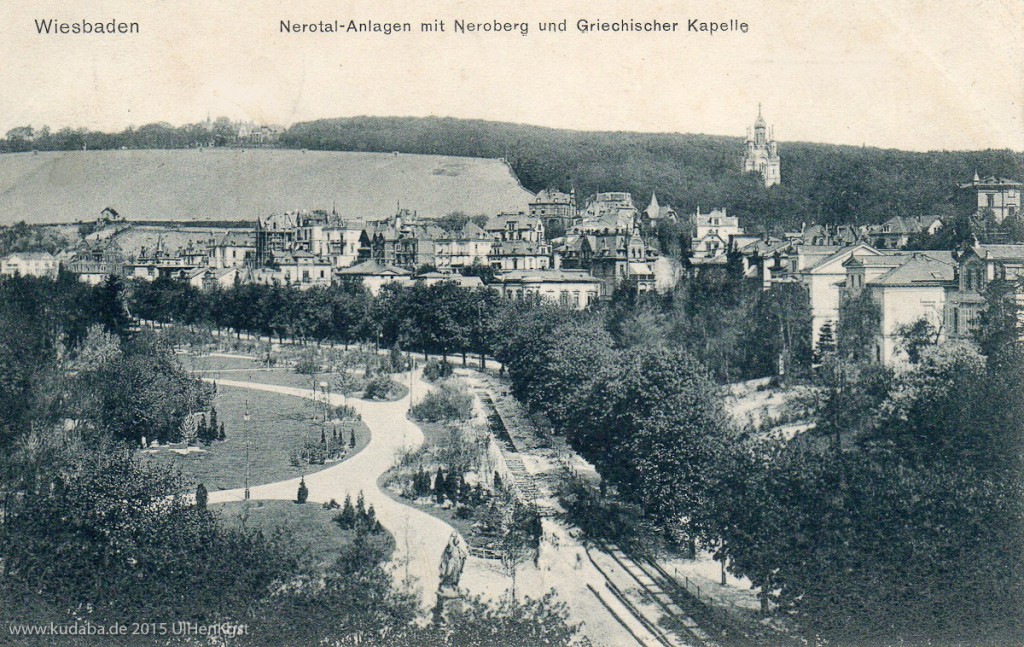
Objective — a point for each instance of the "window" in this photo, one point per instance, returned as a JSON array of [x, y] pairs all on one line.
[[991, 199]]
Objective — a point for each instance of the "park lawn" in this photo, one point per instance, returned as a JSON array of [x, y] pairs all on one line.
[[213, 363], [277, 425], [298, 380], [308, 528]]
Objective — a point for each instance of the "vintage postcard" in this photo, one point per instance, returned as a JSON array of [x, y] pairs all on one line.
[[452, 323]]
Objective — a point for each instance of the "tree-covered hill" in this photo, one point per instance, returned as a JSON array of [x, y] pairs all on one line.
[[821, 183]]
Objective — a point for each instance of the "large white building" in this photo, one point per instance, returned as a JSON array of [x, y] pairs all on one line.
[[38, 264], [906, 287], [575, 289], [825, 280]]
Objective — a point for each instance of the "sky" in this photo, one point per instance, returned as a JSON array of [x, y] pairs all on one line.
[[896, 73]]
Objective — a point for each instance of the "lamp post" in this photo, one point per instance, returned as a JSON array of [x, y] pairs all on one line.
[[245, 426], [325, 388]]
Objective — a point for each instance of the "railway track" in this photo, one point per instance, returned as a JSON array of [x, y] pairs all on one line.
[[657, 635], [663, 589]]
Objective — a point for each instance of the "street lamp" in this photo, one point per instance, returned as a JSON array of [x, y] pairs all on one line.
[[245, 427], [326, 389]]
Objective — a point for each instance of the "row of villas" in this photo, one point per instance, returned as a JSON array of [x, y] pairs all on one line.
[[944, 288]]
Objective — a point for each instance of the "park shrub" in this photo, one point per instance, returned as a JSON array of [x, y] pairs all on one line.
[[449, 401], [308, 364], [348, 382], [345, 412], [397, 362], [435, 371], [303, 494], [381, 387]]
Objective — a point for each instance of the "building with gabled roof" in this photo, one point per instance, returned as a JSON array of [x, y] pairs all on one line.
[[897, 232], [557, 210], [713, 233], [907, 287], [825, 279], [515, 226], [373, 275], [507, 255], [416, 245]]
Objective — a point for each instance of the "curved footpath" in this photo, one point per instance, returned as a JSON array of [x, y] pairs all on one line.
[[420, 539]]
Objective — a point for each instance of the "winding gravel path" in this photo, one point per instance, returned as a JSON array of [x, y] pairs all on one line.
[[420, 538]]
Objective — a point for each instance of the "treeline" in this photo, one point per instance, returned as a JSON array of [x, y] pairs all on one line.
[[898, 518], [22, 237], [220, 132], [443, 318], [822, 183], [726, 322], [729, 324]]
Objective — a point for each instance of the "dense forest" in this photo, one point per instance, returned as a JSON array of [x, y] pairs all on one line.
[[821, 183]]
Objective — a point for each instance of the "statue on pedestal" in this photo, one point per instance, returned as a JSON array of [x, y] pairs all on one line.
[[453, 560]]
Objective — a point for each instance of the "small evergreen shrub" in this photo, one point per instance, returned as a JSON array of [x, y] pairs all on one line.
[[435, 371], [381, 387]]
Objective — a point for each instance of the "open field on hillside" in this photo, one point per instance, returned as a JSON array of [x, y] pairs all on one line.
[[240, 184]]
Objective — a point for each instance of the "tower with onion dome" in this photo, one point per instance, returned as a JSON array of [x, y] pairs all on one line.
[[762, 154]]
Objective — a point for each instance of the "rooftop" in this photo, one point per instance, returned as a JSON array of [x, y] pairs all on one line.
[[546, 276]]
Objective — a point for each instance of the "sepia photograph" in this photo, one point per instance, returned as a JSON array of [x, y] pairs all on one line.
[[488, 324]]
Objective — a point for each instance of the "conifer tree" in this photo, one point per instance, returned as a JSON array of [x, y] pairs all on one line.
[[221, 435], [303, 492], [348, 513], [201, 496], [439, 485], [202, 430], [352, 438], [214, 426]]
